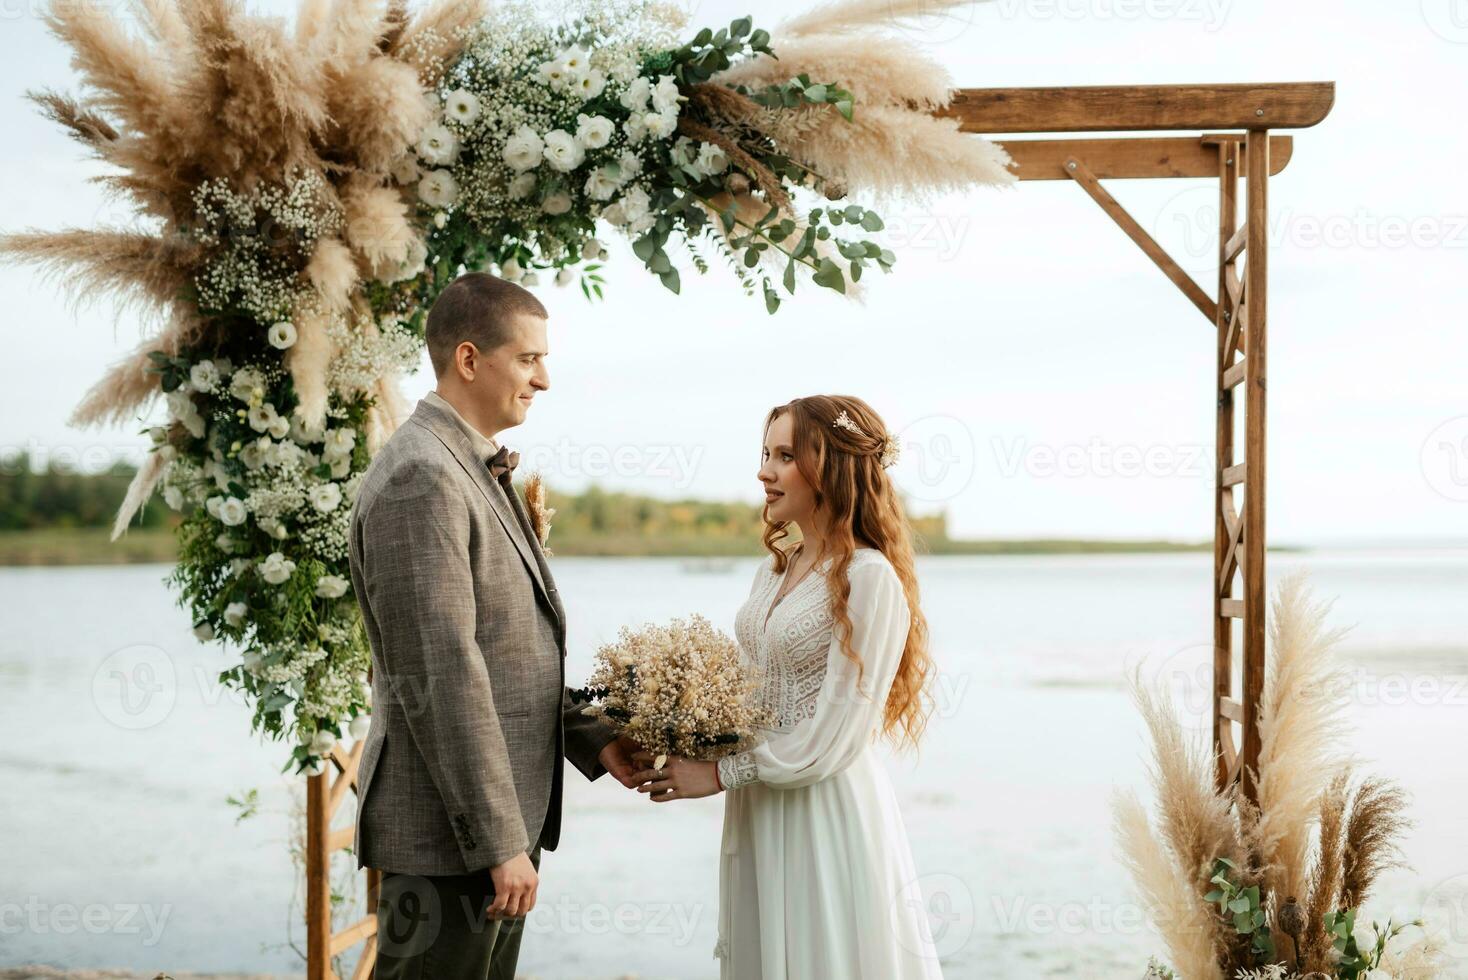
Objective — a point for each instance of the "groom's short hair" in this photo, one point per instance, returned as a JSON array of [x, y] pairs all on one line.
[[479, 308]]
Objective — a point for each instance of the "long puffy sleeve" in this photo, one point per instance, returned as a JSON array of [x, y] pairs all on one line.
[[845, 718]]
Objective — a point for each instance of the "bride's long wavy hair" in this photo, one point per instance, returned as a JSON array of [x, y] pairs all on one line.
[[854, 495]]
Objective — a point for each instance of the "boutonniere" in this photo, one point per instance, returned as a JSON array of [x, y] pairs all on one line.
[[540, 514]]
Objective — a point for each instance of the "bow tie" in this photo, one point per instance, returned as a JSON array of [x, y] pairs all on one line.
[[502, 464]]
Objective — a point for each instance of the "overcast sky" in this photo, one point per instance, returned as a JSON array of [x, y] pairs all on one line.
[[1047, 379]]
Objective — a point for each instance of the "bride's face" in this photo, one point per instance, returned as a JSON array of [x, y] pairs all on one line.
[[788, 497]]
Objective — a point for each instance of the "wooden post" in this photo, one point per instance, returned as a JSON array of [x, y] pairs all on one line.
[[318, 879], [1256, 270], [1230, 161]]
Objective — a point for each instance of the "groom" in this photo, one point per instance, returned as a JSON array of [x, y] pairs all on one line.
[[460, 779]]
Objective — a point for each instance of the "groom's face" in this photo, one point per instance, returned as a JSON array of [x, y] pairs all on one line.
[[507, 378]]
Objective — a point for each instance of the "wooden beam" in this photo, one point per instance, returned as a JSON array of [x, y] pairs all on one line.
[[1083, 176], [1229, 162], [1134, 157], [318, 881], [1124, 108]]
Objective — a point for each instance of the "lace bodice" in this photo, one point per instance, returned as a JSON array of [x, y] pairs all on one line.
[[788, 654]]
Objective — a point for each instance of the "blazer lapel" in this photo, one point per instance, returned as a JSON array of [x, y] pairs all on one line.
[[457, 443]]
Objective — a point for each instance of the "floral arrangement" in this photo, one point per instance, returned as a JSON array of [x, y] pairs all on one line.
[[680, 689], [303, 191], [1272, 891]]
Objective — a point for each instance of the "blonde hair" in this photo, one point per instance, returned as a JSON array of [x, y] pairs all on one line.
[[854, 495]]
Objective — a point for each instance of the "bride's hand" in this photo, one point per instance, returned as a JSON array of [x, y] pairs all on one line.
[[679, 779]]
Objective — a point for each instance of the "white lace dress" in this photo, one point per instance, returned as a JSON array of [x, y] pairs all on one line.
[[816, 877]]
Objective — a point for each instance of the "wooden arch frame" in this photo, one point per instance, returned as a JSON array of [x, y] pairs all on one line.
[[1236, 141]]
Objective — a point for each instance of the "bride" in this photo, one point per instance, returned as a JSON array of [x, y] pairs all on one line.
[[816, 877]]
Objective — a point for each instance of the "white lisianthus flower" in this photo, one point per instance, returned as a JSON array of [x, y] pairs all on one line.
[[440, 219], [634, 97], [339, 442], [510, 270], [173, 497], [232, 512], [592, 249], [340, 467], [665, 95], [438, 145], [325, 497], [635, 203], [254, 454], [521, 186], [712, 159], [261, 416], [523, 150], [683, 154], [282, 335], [247, 384], [360, 726], [351, 487], [406, 171], [204, 376], [660, 125], [276, 568], [635, 127], [224, 543], [593, 132], [438, 189], [331, 587], [461, 104], [322, 743], [602, 183], [280, 427], [564, 277], [576, 60], [590, 85], [204, 631], [554, 73], [211, 506], [235, 613], [251, 661], [303, 433], [562, 151], [557, 203], [630, 164]]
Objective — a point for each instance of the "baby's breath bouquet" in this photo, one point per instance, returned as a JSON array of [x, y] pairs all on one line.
[[679, 689]]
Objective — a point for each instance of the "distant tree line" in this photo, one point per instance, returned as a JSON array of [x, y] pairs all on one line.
[[59, 497]]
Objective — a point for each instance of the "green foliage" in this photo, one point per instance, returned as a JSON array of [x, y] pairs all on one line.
[[57, 495], [1241, 906], [247, 803]]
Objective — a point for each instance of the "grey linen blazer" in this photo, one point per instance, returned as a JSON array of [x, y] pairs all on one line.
[[462, 767]]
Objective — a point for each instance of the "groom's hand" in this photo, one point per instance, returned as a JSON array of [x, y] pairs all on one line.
[[616, 757], [515, 885]]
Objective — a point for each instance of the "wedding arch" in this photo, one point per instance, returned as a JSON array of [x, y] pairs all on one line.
[[1238, 141], [306, 193]]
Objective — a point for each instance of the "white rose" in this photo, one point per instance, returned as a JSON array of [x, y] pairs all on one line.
[[660, 125], [635, 203], [438, 145], [591, 84], [557, 203], [360, 726], [461, 104], [322, 743], [406, 171], [564, 277], [204, 376], [331, 587], [712, 159], [254, 454], [521, 186], [276, 568], [251, 661], [282, 335], [523, 150], [173, 497], [273, 527], [204, 632], [211, 506], [602, 184], [634, 97], [592, 249], [593, 132], [224, 543], [232, 512], [438, 189], [562, 151], [665, 95], [325, 497], [234, 614]]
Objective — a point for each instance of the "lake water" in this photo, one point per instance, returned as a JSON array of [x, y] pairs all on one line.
[[117, 753]]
